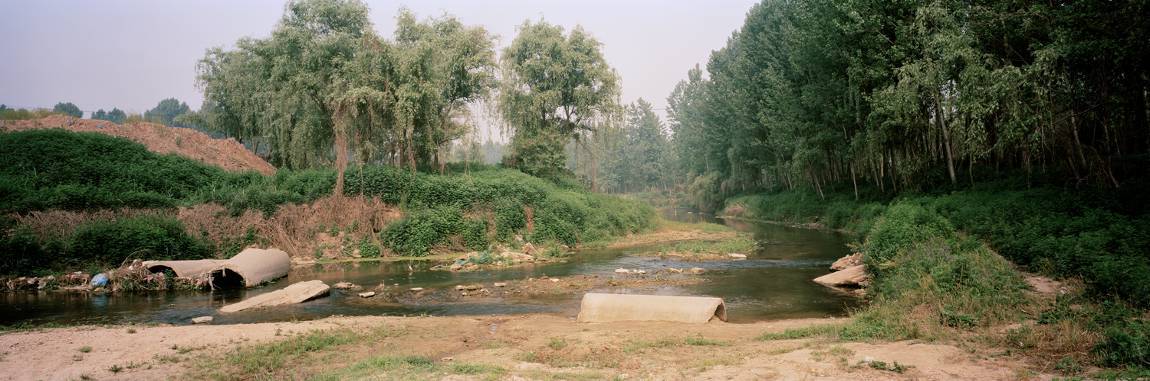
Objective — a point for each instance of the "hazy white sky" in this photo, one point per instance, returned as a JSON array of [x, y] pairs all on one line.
[[132, 53]]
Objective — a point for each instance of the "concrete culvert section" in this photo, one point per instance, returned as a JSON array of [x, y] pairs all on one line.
[[597, 308], [249, 268]]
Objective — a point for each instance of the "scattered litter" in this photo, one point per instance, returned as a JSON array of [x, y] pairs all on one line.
[[100, 280]]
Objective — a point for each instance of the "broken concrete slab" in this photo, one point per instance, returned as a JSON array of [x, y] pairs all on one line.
[[296, 293], [850, 277], [597, 308]]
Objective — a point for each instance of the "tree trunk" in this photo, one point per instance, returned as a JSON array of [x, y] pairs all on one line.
[[941, 120], [854, 182], [340, 161]]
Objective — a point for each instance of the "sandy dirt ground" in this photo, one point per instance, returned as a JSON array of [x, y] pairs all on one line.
[[522, 345]]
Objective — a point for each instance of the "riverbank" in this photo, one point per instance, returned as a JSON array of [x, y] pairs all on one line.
[[938, 273], [536, 346]]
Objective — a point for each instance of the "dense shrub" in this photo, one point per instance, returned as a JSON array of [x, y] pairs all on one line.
[[835, 211], [20, 251], [44, 169], [153, 237], [1126, 343], [560, 213], [1060, 233], [98, 245], [420, 230], [252, 191]]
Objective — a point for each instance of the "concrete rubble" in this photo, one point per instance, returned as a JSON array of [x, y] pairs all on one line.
[[296, 293]]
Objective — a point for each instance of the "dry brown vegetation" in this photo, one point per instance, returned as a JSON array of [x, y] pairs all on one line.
[[330, 226]]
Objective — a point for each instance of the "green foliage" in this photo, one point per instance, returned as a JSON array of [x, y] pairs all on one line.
[[930, 94], [324, 76], [7, 113], [835, 211], [420, 230], [111, 242], [1126, 343], [165, 112], [99, 244], [903, 226], [555, 85], [1059, 233], [68, 108], [115, 116], [46, 169], [252, 191], [564, 215], [638, 159]]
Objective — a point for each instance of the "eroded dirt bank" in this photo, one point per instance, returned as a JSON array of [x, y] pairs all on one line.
[[504, 347]]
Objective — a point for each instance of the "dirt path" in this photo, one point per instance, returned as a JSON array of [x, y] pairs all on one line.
[[504, 347]]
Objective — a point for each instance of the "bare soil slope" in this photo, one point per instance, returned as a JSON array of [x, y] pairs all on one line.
[[225, 153]]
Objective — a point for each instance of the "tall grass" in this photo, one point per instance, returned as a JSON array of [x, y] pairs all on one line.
[[931, 278]]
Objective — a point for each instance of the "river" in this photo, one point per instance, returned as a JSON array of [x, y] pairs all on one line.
[[773, 283]]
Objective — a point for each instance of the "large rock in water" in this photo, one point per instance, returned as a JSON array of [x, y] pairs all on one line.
[[850, 277], [847, 261], [296, 293]]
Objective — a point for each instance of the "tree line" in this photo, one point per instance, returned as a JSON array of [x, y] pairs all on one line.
[[904, 95], [324, 88]]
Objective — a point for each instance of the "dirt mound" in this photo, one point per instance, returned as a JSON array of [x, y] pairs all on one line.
[[225, 153]]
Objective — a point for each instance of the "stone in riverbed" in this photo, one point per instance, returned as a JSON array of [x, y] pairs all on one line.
[[367, 294], [736, 256], [469, 287], [850, 277], [296, 293], [202, 320], [500, 284], [344, 286], [697, 270], [847, 261]]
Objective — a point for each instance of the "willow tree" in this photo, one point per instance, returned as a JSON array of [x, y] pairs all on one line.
[[555, 86], [444, 65], [324, 88]]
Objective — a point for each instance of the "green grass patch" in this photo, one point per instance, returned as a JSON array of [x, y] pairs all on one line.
[[408, 368], [271, 360], [738, 244], [813, 331]]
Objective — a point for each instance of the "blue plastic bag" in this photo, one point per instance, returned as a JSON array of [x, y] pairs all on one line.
[[100, 280]]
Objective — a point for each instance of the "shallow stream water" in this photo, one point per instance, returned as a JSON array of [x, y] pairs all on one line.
[[773, 283]]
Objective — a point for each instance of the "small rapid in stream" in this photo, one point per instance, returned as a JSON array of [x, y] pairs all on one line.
[[774, 282]]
